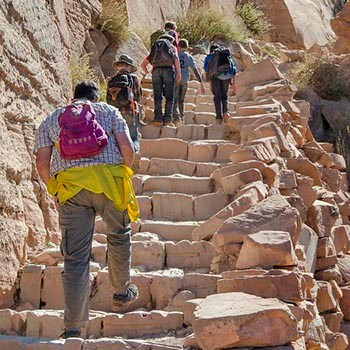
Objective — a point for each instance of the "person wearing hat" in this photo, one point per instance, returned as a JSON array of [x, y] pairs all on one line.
[[124, 92], [186, 62], [166, 71]]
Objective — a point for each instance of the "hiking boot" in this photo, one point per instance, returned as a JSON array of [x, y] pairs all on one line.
[[218, 121], [70, 333], [168, 124], [226, 117], [155, 123], [177, 122], [123, 300]]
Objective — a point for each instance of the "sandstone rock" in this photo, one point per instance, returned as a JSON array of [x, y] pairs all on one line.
[[31, 284], [264, 71], [139, 323], [178, 184], [288, 28], [165, 285], [200, 151], [325, 247], [207, 205], [267, 172], [169, 230], [163, 167], [344, 302], [232, 183], [201, 284], [164, 148], [325, 298], [325, 263], [172, 206], [305, 190], [333, 320], [340, 24], [288, 179], [223, 321], [148, 254], [309, 241], [145, 206], [344, 267], [273, 213], [321, 217], [329, 275], [100, 344], [340, 236], [280, 284], [266, 249], [305, 167], [52, 289], [44, 324], [185, 254]]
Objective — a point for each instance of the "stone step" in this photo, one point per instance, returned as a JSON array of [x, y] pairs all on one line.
[[166, 167], [169, 230], [41, 287], [146, 185], [181, 207], [196, 151], [50, 324], [31, 343]]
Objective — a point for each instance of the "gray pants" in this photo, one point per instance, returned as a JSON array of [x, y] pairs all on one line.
[[77, 220]]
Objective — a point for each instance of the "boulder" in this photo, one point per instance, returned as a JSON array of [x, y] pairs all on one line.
[[266, 249], [344, 302], [263, 72], [281, 284], [340, 24], [242, 320], [289, 28], [325, 298], [232, 183], [273, 213]]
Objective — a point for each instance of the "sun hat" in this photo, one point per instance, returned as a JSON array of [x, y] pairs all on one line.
[[183, 44], [125, 59], [168, 37]]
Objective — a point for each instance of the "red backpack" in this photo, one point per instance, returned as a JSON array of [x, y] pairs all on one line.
[[81, 135]]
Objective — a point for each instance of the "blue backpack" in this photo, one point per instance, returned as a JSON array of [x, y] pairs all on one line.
[[221, 65]]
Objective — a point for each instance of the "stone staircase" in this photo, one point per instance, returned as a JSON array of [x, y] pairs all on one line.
[[229, 214]]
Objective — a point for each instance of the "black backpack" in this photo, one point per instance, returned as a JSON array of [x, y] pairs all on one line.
[[220, 62], [120, 90], [162, 53]]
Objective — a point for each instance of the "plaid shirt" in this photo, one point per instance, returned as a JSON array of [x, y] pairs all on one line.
[[107, 116]]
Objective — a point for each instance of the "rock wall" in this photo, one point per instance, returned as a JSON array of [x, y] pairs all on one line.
[[300, 23], [341, 27], [37, 38]]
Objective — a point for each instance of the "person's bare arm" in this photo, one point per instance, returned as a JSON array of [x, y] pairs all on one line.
[[177, 68], [144, 65], [126, 148], [43, 158]]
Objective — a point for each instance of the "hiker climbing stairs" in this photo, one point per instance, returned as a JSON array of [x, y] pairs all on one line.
[[253, 213]]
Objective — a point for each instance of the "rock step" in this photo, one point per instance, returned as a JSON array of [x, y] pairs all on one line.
[[41, 288], [30, 343], [166, 230], [148, 254], [196, 151], [172, 184], [181, 207], [166, 167], [50, 324]]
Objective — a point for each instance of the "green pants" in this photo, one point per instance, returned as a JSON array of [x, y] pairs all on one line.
[[77, 220]]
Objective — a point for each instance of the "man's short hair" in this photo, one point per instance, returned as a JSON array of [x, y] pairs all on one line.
[[170, 26], [86, 89], [213, 48]]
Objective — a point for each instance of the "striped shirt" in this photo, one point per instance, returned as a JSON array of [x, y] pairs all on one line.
[[107, 116]]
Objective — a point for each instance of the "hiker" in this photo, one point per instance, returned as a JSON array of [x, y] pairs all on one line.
[[169, 28], [220, 72], [83, 155], [186, 62], [124, 92], [166, 71]]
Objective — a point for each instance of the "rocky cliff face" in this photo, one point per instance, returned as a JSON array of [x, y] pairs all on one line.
[[300, 23], [341, 26], [37, 38]]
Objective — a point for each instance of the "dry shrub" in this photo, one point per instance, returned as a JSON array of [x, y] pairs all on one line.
[[254, 19], [203, 24], [327, 78], [113, 20], [80, 69]]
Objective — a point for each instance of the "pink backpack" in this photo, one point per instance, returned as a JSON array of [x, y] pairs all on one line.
[[81, 135]]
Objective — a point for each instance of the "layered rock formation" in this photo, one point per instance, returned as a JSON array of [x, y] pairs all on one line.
[[341, 25]]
